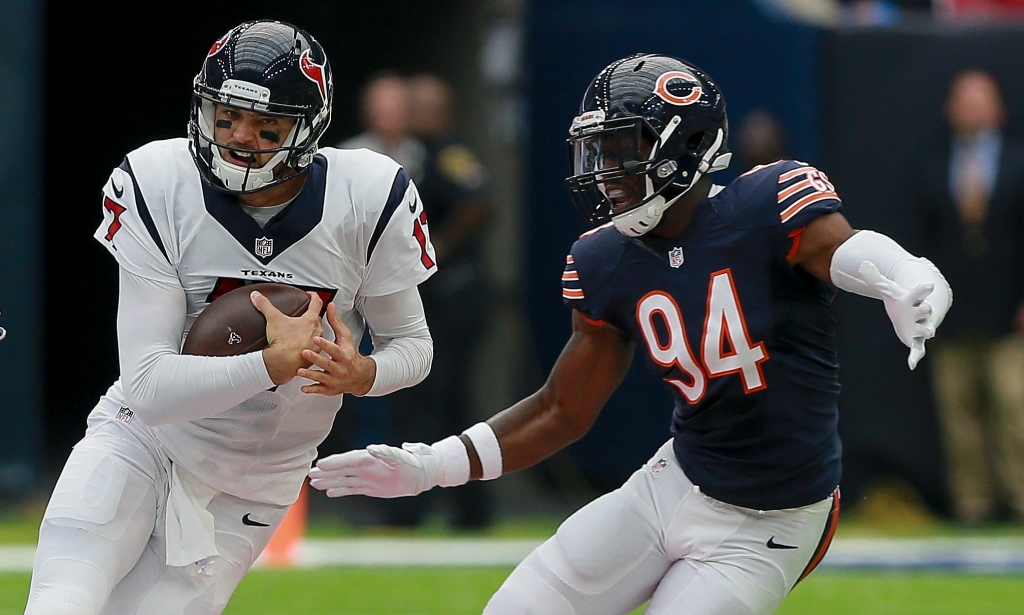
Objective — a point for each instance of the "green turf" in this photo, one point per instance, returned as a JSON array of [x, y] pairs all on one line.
[[456, 591], [905, 593], [13, 592], [453, 591]]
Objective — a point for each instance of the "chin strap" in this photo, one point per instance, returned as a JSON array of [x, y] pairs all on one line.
[[639, 221]]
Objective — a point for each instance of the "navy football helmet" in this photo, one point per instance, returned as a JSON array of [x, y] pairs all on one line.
[[649, 127], [272, 68]]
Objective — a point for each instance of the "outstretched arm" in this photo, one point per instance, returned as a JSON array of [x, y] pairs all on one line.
[[590, 368], [915, 293]]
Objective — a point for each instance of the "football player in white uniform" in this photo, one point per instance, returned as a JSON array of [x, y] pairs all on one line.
[[189, 463]]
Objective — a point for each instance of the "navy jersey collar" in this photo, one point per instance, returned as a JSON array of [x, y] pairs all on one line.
[[287, 227]]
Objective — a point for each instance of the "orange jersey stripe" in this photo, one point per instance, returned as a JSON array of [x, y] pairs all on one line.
[[570, 276], [810, 199], [797, 187], [572, 293], [788, 175]]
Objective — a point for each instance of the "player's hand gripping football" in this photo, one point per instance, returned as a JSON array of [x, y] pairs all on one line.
[[379, 471], [344, 369], [288, 337], [909, 310]]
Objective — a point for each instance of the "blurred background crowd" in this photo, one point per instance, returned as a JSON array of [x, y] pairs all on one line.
[[913, 108]]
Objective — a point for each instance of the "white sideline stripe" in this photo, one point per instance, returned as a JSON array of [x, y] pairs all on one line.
[[314, 553], [996, 554], [993, 554], [16, 558]]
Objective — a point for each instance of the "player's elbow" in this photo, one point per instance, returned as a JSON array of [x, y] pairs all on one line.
[[146, 399], [573, 424], [414, 356], [142, 402], [424, 348], [568, 417]]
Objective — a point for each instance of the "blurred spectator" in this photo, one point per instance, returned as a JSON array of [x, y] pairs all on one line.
[[970, 206], [456, 300], [761, 139], [980, 9], [385, 116], [384, 112], [870, 12]]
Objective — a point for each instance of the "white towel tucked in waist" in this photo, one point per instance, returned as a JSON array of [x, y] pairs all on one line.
[[189, 526]]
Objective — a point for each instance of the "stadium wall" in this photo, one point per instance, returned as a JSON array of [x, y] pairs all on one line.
[[21, 280]]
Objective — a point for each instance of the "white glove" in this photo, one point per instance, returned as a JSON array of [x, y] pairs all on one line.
[[379, 471], [909, 311]]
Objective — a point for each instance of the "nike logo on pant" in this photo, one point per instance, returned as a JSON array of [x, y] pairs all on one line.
[[247, 521], [774, 545]]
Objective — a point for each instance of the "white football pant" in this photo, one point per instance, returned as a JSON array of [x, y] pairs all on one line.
[[658, 539], [102, 549]]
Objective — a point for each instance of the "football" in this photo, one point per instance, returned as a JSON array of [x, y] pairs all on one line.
[[232, 325]]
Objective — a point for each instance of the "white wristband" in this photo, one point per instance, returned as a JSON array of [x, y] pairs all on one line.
[[487, 448], [454, 461]]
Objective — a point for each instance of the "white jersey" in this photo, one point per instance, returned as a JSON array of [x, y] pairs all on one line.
[[356, 228]]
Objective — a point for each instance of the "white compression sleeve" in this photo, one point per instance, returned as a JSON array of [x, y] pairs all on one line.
[[162, 386], [402, 347], [893, 262]]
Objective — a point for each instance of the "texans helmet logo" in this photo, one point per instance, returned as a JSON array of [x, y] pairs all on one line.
[[314, 72], [678, 80], [218, 45]]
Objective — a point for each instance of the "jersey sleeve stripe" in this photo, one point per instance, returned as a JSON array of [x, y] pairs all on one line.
[[398, 189], [797, 187], [572, 293], [143, 209], [810, 199], [570, 276], [569, 260], [788, 175]]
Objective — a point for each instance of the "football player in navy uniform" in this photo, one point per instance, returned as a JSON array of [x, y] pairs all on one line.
[[726, 291], [189, 463]]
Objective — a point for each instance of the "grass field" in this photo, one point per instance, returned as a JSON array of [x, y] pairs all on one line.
[[456, 591], [430, 591]]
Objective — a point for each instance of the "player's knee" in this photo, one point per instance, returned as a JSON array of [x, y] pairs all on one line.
[[63, 600], [525, 592], [67, 586]]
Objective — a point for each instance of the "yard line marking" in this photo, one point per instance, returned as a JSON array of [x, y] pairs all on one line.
[[991, 554]]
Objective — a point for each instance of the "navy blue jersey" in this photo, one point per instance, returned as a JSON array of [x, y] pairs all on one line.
[[745, 341]]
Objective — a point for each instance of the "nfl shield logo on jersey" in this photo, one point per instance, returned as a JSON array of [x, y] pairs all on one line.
[[264, 247], [675, 257], [125, 415]]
